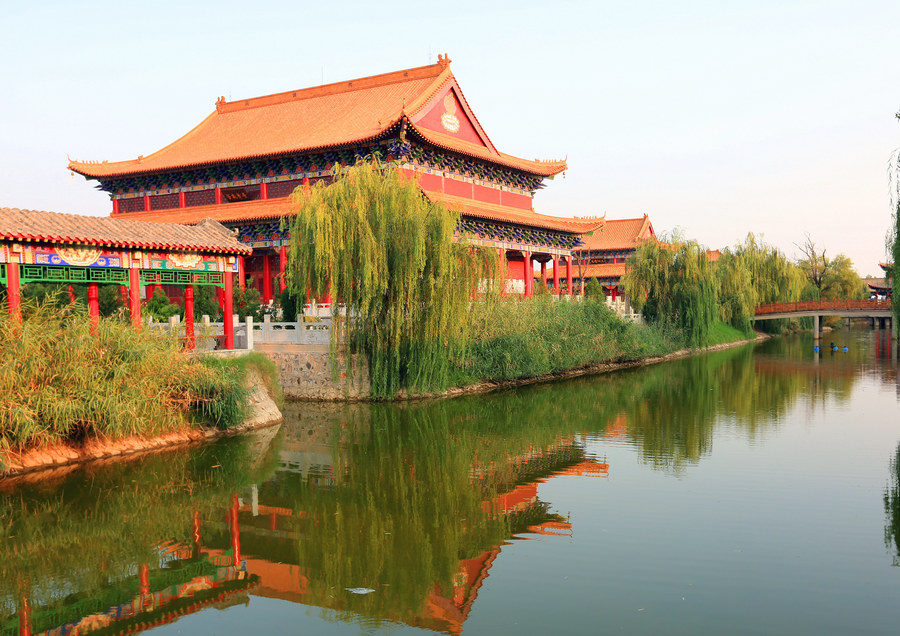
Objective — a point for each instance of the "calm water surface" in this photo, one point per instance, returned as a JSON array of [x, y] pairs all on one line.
[[751, 491]]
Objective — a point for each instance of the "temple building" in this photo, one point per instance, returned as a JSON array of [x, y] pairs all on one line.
[[240, 164], [603, 254], [882, 288]]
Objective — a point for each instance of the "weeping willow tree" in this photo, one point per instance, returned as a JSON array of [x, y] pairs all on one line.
[[893, 251], [674, 285], [388, 256], [752, 273]]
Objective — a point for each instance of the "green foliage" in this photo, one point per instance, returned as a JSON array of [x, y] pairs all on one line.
[[373, 241], [160, 309], [246, 302], [58, 382], [206, 303], [593, 289], [841, 282], [521, 338], [289, 306], [675, 287]]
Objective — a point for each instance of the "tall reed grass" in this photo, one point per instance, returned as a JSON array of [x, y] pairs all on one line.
[[58, 382], [520, 338]]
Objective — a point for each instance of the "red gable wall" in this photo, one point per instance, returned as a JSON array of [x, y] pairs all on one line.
[[446, 113]]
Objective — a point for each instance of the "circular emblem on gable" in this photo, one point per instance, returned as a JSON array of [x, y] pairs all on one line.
[[449, 120], [79, 256]]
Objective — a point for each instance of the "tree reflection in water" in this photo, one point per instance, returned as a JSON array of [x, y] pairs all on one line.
[[414, 500], [892, 508]]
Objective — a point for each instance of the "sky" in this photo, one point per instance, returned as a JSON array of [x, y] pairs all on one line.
[[716, 119]]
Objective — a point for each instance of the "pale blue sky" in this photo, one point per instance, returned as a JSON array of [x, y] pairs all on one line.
[[720, 118]]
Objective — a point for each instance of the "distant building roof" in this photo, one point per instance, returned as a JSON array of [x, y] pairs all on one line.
[[339, 114], [54, 227], [622, 234]]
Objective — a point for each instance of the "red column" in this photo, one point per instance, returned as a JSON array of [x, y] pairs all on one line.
[[134, 297], [544, 273], [218, 195], [229, 311], [182, 200], [189, 316], [501, 263], [235, 528], [282, 266], [529, 275], [569, 275], [263, 190], [94, 306], [146, 202], [144, 578], [556, 274], [195, 528], [13, 290], [115, 206], [71, 295], [241, 282], [267, 277], [24, 617]]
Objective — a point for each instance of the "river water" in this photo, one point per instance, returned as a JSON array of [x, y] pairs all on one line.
[[750, 491]]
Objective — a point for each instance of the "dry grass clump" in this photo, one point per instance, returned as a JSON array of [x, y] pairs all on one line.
[[60, 383]]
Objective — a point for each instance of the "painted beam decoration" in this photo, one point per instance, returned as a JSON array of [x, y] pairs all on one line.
[[67, 263]]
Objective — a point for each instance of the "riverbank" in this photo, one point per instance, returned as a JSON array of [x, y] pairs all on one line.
[[64, 457], [593, 369]]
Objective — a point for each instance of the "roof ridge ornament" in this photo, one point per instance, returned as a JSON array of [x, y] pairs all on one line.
[[220, 103], [444, 60]]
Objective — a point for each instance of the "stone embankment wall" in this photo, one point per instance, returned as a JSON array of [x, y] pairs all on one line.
[[306, 374]]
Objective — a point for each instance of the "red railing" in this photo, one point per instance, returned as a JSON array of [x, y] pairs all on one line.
[[824, 305]]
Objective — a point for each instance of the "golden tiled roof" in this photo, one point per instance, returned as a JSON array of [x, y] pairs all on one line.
[[328, 116], [222, 212], [622, 234], [55, 227]]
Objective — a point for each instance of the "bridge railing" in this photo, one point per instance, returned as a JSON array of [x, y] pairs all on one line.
[[823, 305]]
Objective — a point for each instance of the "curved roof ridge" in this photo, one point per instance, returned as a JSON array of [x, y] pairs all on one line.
[[334, 88]]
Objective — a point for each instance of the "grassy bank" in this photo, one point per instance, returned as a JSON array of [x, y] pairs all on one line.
[[522, 338], [59, 383]]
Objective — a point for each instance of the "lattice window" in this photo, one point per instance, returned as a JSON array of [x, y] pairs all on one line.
[[199, 197], [164, 201], [283, 188], [135, 204]]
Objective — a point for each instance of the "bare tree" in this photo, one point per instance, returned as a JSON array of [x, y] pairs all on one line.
[[816, 264]]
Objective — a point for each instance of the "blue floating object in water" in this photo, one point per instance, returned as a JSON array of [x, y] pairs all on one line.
[[816, 348], [834, 348], [846, 349]]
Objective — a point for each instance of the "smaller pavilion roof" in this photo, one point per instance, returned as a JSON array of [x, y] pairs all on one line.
[[621, 234], [55, 227], [507, 214]]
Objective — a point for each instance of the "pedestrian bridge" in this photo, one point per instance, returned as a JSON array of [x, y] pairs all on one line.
[[880, 310]]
